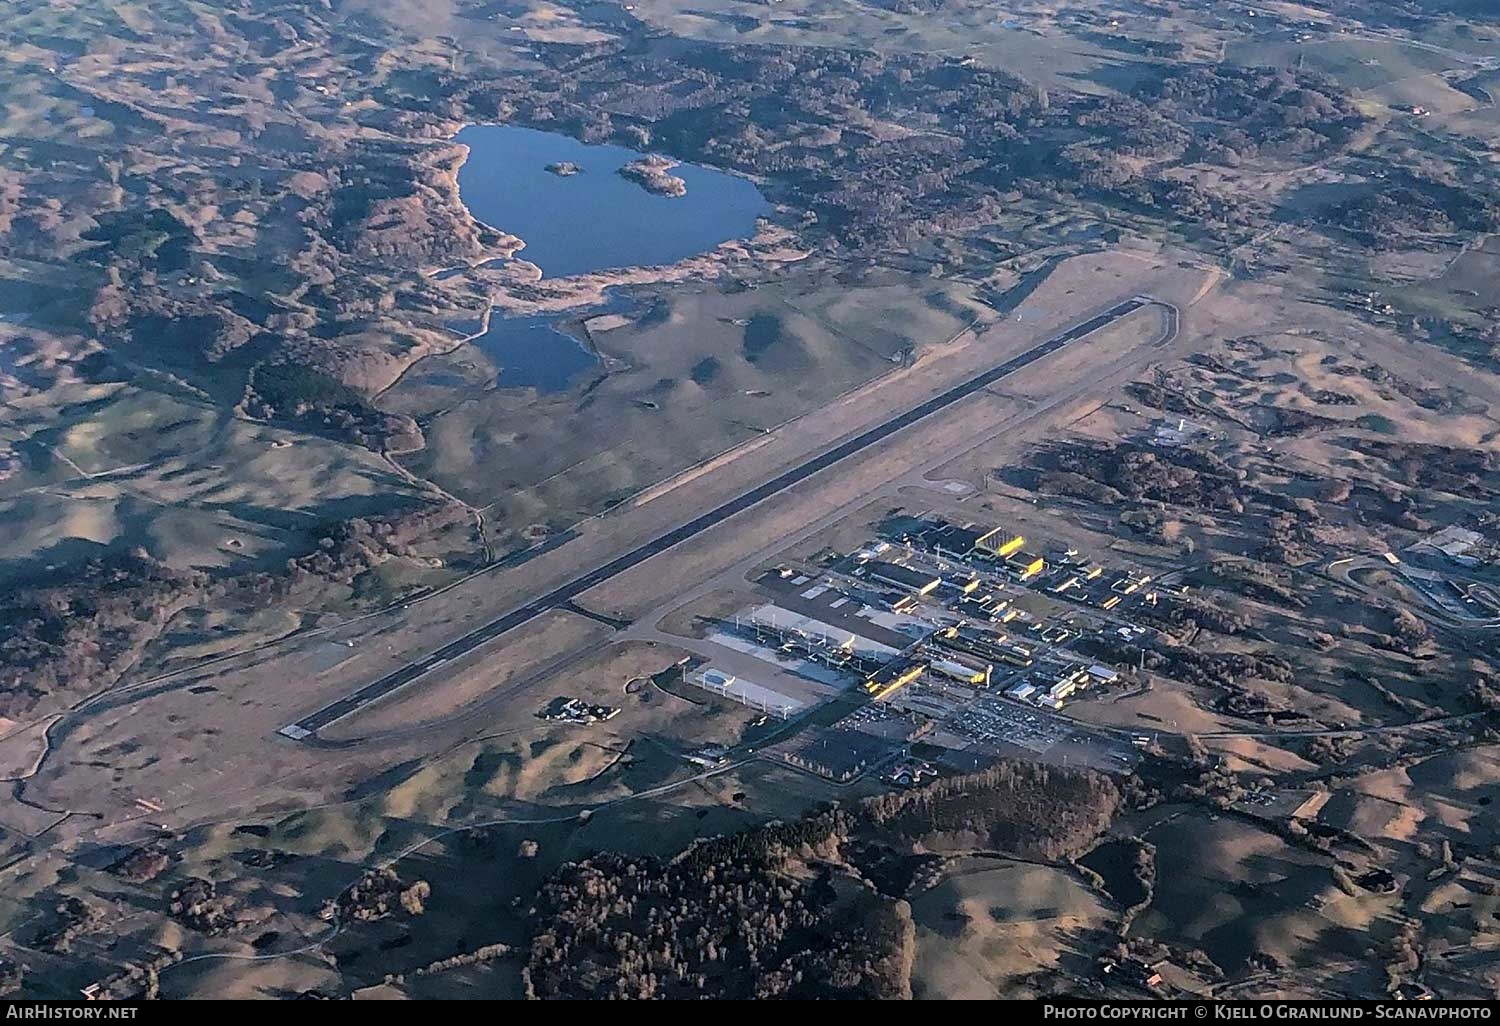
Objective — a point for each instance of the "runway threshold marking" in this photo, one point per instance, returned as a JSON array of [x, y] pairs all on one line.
[[309, 725]]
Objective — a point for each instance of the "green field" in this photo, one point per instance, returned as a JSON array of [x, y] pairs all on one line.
[[697, 373]]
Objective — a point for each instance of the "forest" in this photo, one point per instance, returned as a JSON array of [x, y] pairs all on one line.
[[806, 909], [81, 631]]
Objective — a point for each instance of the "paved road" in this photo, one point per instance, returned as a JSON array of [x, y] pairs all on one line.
[[309, 725], [1433, 612]]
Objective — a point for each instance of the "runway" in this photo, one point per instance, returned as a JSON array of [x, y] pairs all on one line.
[[309, 725]]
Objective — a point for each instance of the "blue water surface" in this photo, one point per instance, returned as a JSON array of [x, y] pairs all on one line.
[[596, 219]]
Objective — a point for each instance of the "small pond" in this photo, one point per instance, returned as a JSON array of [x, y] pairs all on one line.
[[531, 353]]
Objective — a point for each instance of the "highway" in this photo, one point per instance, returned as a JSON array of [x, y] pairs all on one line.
[[309, 725]]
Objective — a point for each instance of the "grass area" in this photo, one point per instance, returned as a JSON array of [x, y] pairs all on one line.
[[1357, 64], [989, 924], [112, 468], [1233, 890], [701, 372], [1026, 42]]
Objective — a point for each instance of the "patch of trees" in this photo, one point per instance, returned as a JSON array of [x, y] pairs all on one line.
[[1405, 953], [12, 976], [1322, 838], [198, 906], [727, 927], [1125, 869], [1189, 612], [1484, 695], [1023, 808], [378, 894], [1198, 775], [391, 203], [1143, 872], [1285, 421], [479, 956], [187, 332], [1388, 504], [1258, 581], [145, 238], [1242, 113], [1251, 705], [1208, 669], [1389, 217], [136, 981], [1332, 748], [1160, 397], [1168, 49], [62, 637], [297, 390], [313, 398], [347, 548], [141, 865], [1109, 474], [1446, 468], [1287, 534], [363, 181], [1410, 634], [83, 632], [1148, 521], [1220, 115], [788, 909], [73, 918]]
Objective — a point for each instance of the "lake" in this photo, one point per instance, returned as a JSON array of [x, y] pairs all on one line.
[[596, 219]]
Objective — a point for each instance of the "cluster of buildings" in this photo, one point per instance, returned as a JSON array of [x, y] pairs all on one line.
[[994, 545], [933, 625], [576, 710], [936, 605], [1070, 577], [1461, 546], [1054, 685], [1177, 436]]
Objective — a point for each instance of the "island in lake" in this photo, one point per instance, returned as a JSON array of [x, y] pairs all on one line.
[[653, 174], [565, 168]]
